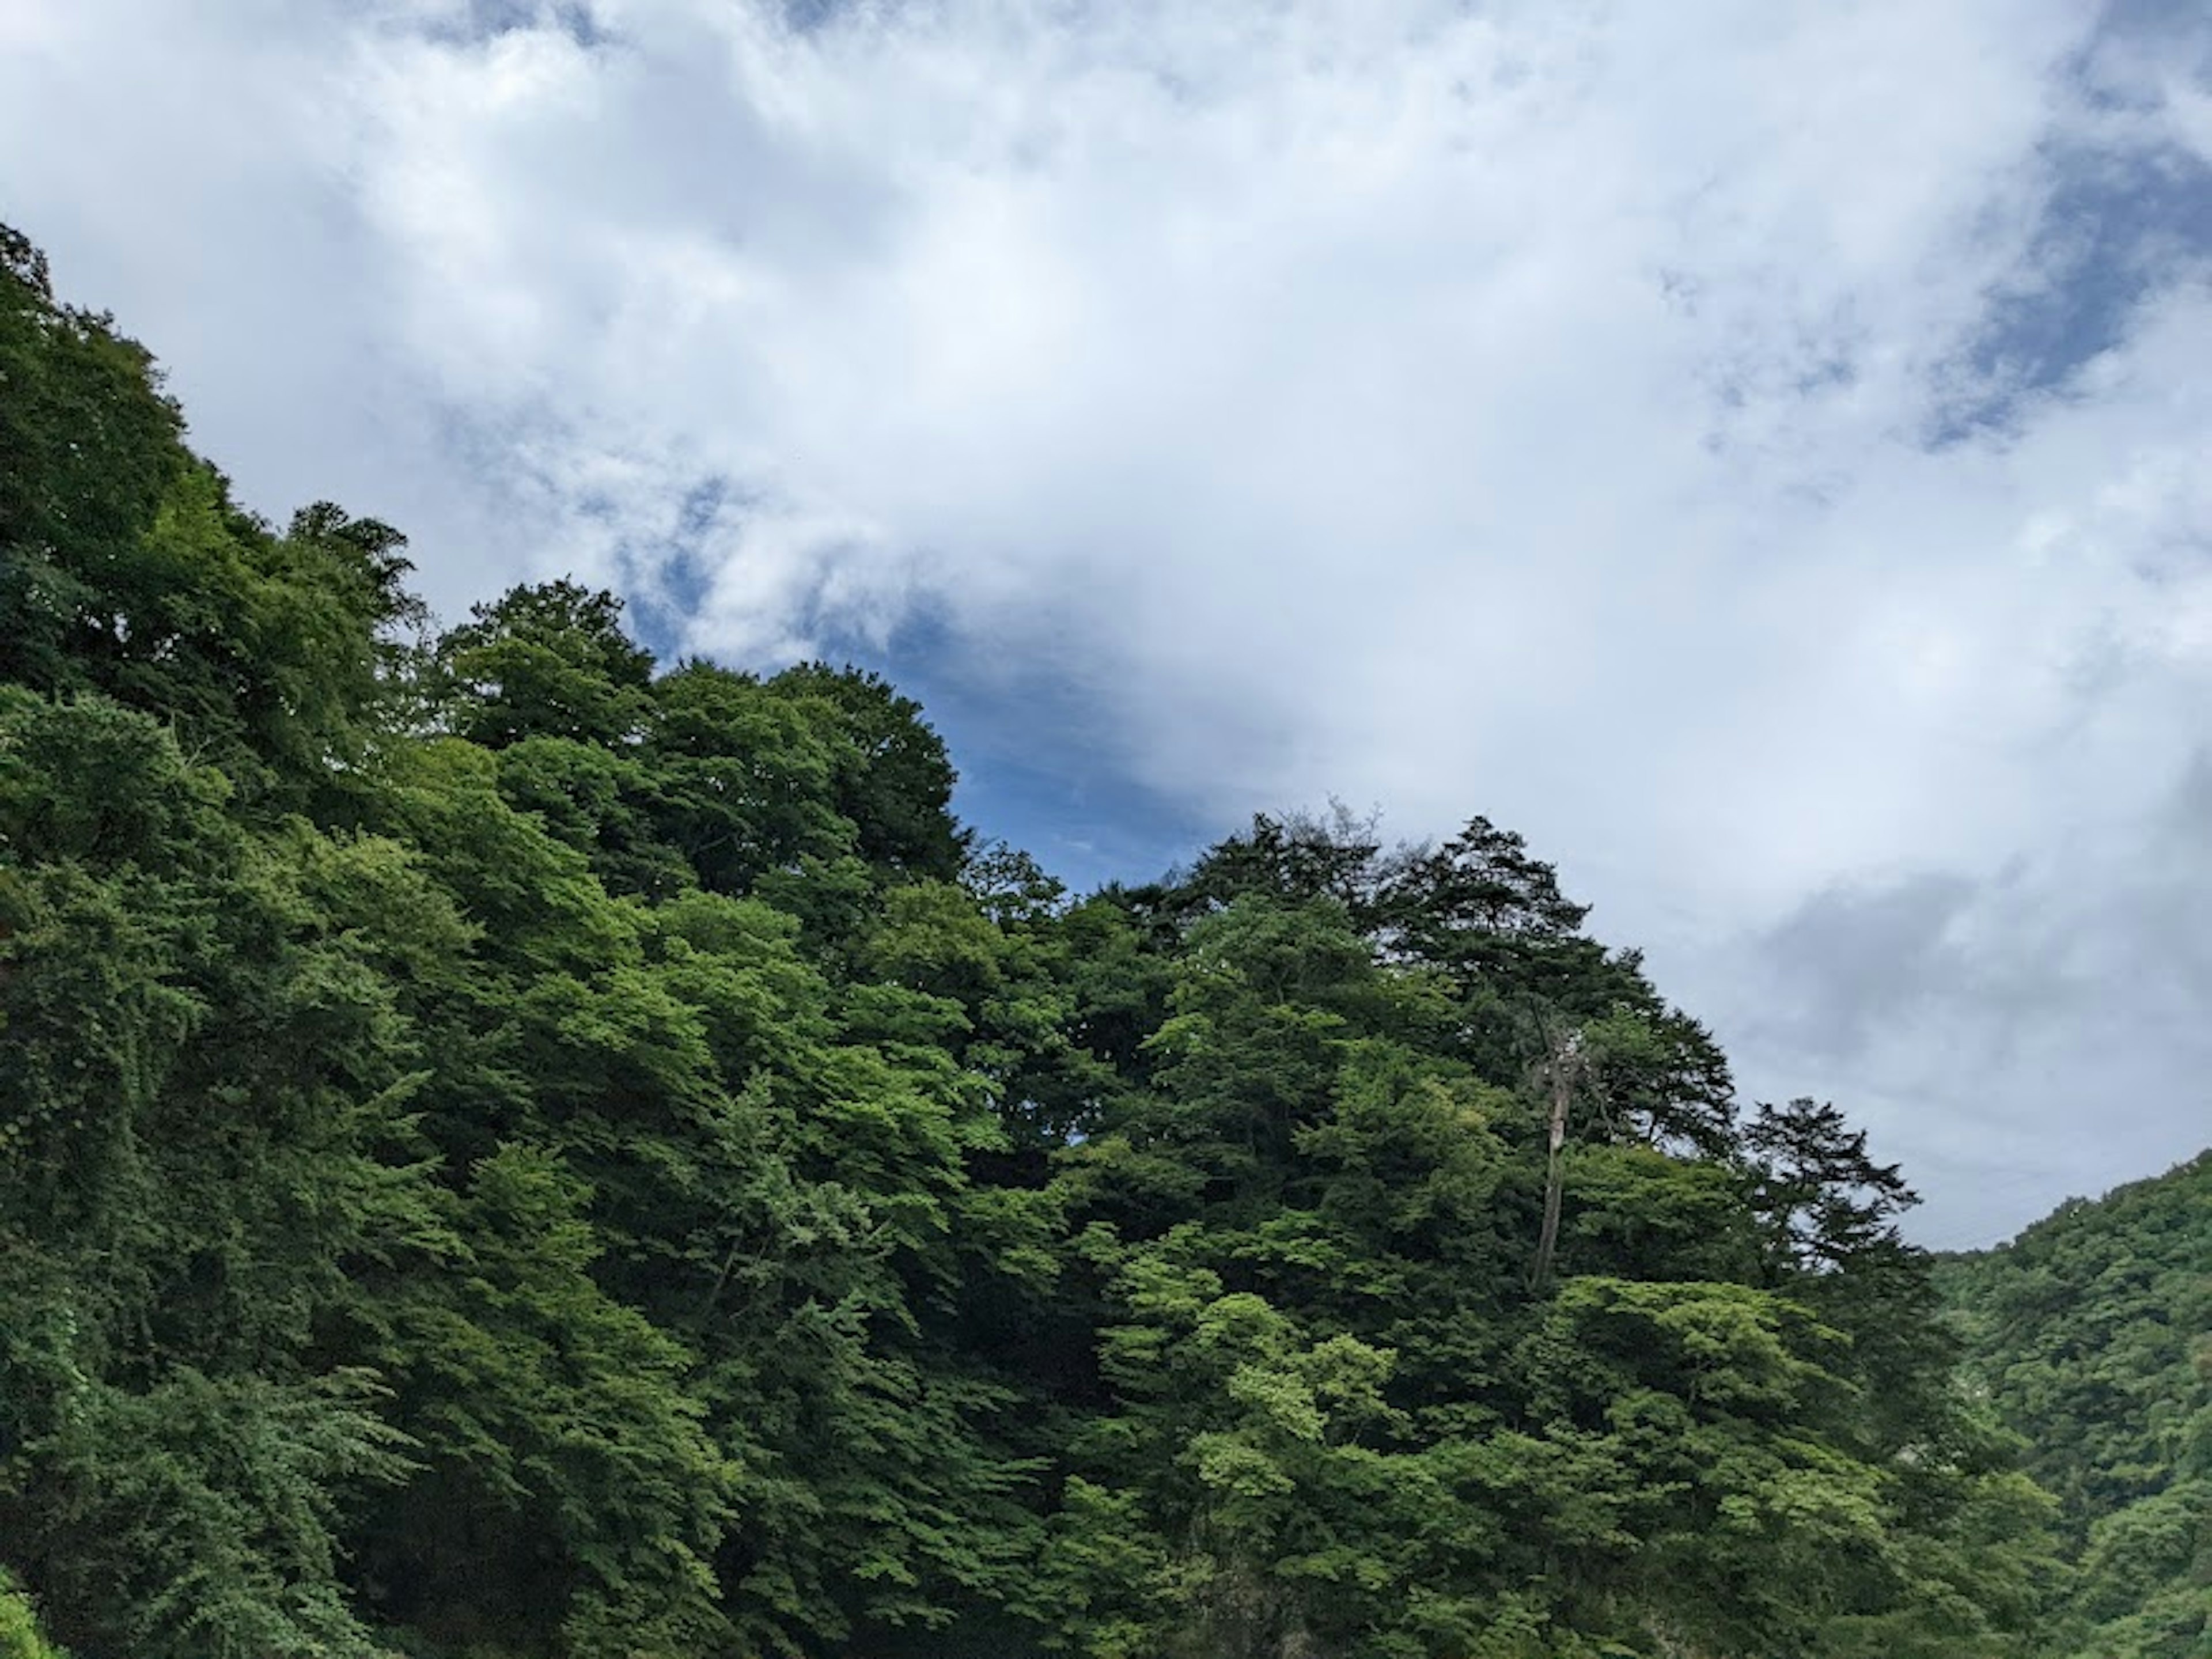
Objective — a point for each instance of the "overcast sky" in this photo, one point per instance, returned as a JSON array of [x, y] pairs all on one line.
[[1757, 451]]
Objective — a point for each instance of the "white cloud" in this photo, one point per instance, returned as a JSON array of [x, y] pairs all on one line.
[[1526, 409]]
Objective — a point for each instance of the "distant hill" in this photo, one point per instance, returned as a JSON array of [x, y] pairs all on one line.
[[2090, 1336]]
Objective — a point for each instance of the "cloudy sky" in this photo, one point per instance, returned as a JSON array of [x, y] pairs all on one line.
[[1757, 451]]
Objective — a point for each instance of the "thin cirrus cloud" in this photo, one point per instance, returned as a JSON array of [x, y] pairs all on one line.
[[1757, 452]]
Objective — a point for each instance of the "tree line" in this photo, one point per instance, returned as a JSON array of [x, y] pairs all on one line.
[[513, 1150]]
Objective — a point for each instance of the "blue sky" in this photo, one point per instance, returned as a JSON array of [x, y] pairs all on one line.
[[1757, 451]]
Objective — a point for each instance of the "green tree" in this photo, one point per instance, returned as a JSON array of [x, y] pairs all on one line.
[[2090, 1337], [548, 661]]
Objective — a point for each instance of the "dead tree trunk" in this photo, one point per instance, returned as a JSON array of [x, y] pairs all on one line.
[[1563, 1067]]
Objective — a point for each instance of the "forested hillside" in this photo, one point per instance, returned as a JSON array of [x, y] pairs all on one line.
[[511, 1149], [2091, 1336]]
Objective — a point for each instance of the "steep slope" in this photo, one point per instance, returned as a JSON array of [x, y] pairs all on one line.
[[2091, 1336]]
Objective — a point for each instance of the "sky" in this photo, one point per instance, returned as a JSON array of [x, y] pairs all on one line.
[[1757, 451]]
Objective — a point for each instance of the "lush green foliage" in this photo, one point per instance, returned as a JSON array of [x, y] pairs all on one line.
[[506, 1150], [2091, 1336], [21, 1637]]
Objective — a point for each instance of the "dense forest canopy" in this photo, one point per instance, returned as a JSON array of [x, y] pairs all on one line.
[[2091, 1336], [511, 1149]]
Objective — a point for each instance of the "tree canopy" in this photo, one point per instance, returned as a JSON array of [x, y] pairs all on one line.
[[2090, 1336], [512, 1150]]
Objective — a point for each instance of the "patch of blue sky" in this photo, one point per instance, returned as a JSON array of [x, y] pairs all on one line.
[[487, 19], [804, 16], [1039, 769], [657, 611], [2125, 216], [2118, 229], [665, 582]]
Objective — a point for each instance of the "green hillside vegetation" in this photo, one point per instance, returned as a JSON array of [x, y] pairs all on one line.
[[21, 1637], [512, 1150], [2091, 1336]]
